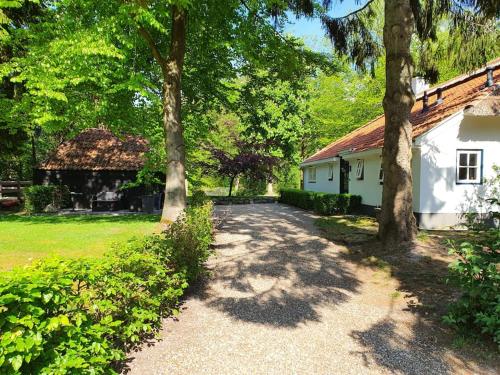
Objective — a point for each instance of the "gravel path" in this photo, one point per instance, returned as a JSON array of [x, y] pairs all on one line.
[[282, 300]]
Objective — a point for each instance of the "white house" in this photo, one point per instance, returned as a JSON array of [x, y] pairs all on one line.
[[456, 143]]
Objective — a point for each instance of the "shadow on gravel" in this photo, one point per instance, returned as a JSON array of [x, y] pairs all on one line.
[[421, 271], [277, 271], [395, 352]]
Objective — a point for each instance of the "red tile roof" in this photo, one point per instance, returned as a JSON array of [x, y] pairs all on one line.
[[98, 149], [457, 94]]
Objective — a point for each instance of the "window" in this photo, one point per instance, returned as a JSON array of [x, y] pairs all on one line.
[[330, 172], [360, 169], [311, 173], [381, 174], [469, 166]]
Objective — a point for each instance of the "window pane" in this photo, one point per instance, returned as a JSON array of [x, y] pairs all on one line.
[[462, 173], [472, 160], [463, 159], [472, 173]]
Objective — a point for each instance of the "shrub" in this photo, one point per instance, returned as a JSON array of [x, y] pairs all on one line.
[[477, 275], [82, 316], [38, 197], [322, 203], [198, 198], [62, 196]]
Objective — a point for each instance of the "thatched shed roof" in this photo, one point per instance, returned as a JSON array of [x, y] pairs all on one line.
[[97, 150]]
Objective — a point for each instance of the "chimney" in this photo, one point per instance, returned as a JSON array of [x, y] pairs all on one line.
[[425, 101], [418, 85], [439, 93], [489, 76]]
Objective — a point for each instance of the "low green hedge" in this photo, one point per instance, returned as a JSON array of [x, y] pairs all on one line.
[[83, 316], [38, 197], [322, 203]]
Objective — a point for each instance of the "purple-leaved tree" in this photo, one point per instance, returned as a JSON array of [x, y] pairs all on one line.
[[250, 160]]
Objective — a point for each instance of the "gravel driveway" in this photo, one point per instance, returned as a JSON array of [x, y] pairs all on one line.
[[282, 300]]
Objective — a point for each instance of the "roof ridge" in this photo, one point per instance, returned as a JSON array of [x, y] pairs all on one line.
[[495, 63]]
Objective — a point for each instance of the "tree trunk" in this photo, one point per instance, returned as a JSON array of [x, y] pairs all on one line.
[[175, 185], [231, 182], [269, 188], [397, 223]]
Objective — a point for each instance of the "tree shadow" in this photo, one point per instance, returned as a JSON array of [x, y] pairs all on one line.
[[399, 353], [274, 268], [69, 219], [420, 270]]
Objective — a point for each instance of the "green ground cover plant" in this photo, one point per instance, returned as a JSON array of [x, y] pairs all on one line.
[[82, 316]]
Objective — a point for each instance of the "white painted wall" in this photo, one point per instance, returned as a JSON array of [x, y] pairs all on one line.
[[439, 192], [436, 195], [322, 183], [369, 187]]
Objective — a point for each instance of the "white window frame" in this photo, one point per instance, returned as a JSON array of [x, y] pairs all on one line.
[[478, 167], [360, 169], [311, 177], [330, 172]]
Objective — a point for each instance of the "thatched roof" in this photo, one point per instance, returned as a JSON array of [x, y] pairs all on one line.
[[97, 150]]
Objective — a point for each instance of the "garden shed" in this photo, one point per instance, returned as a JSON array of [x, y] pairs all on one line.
[[95, 163]]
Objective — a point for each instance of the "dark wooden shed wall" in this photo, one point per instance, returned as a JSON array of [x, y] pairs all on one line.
[[89, 183]]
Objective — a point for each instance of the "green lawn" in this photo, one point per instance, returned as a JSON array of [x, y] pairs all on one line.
[[24, 238]]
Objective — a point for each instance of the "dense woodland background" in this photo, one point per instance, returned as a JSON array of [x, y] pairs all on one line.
[[70, 65]]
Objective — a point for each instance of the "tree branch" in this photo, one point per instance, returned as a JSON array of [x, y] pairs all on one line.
[[278, 34], [152, 45], [355, 12]]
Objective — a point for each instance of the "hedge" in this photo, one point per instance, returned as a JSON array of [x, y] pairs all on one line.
[[83, 316], [322, 203], [38, 197]]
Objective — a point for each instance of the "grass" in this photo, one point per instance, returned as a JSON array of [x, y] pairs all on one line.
[[348, 228], [25, 238]]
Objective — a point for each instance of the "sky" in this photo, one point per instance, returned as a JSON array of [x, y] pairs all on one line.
[[311, 30]]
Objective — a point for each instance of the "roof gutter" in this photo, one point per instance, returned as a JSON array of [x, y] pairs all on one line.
[[317, 162], [348, 154]]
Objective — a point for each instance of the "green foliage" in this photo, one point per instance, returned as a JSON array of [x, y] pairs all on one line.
[[38, 197], [198, 198], [476, 271], [251, 187], [477, 275], [340, 103], [191, 236], [322, 203], [82, 316]]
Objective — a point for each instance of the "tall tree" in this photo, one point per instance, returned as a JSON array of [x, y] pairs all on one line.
[[141, 55], [397, 222], [353, 35], [171, 67]]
